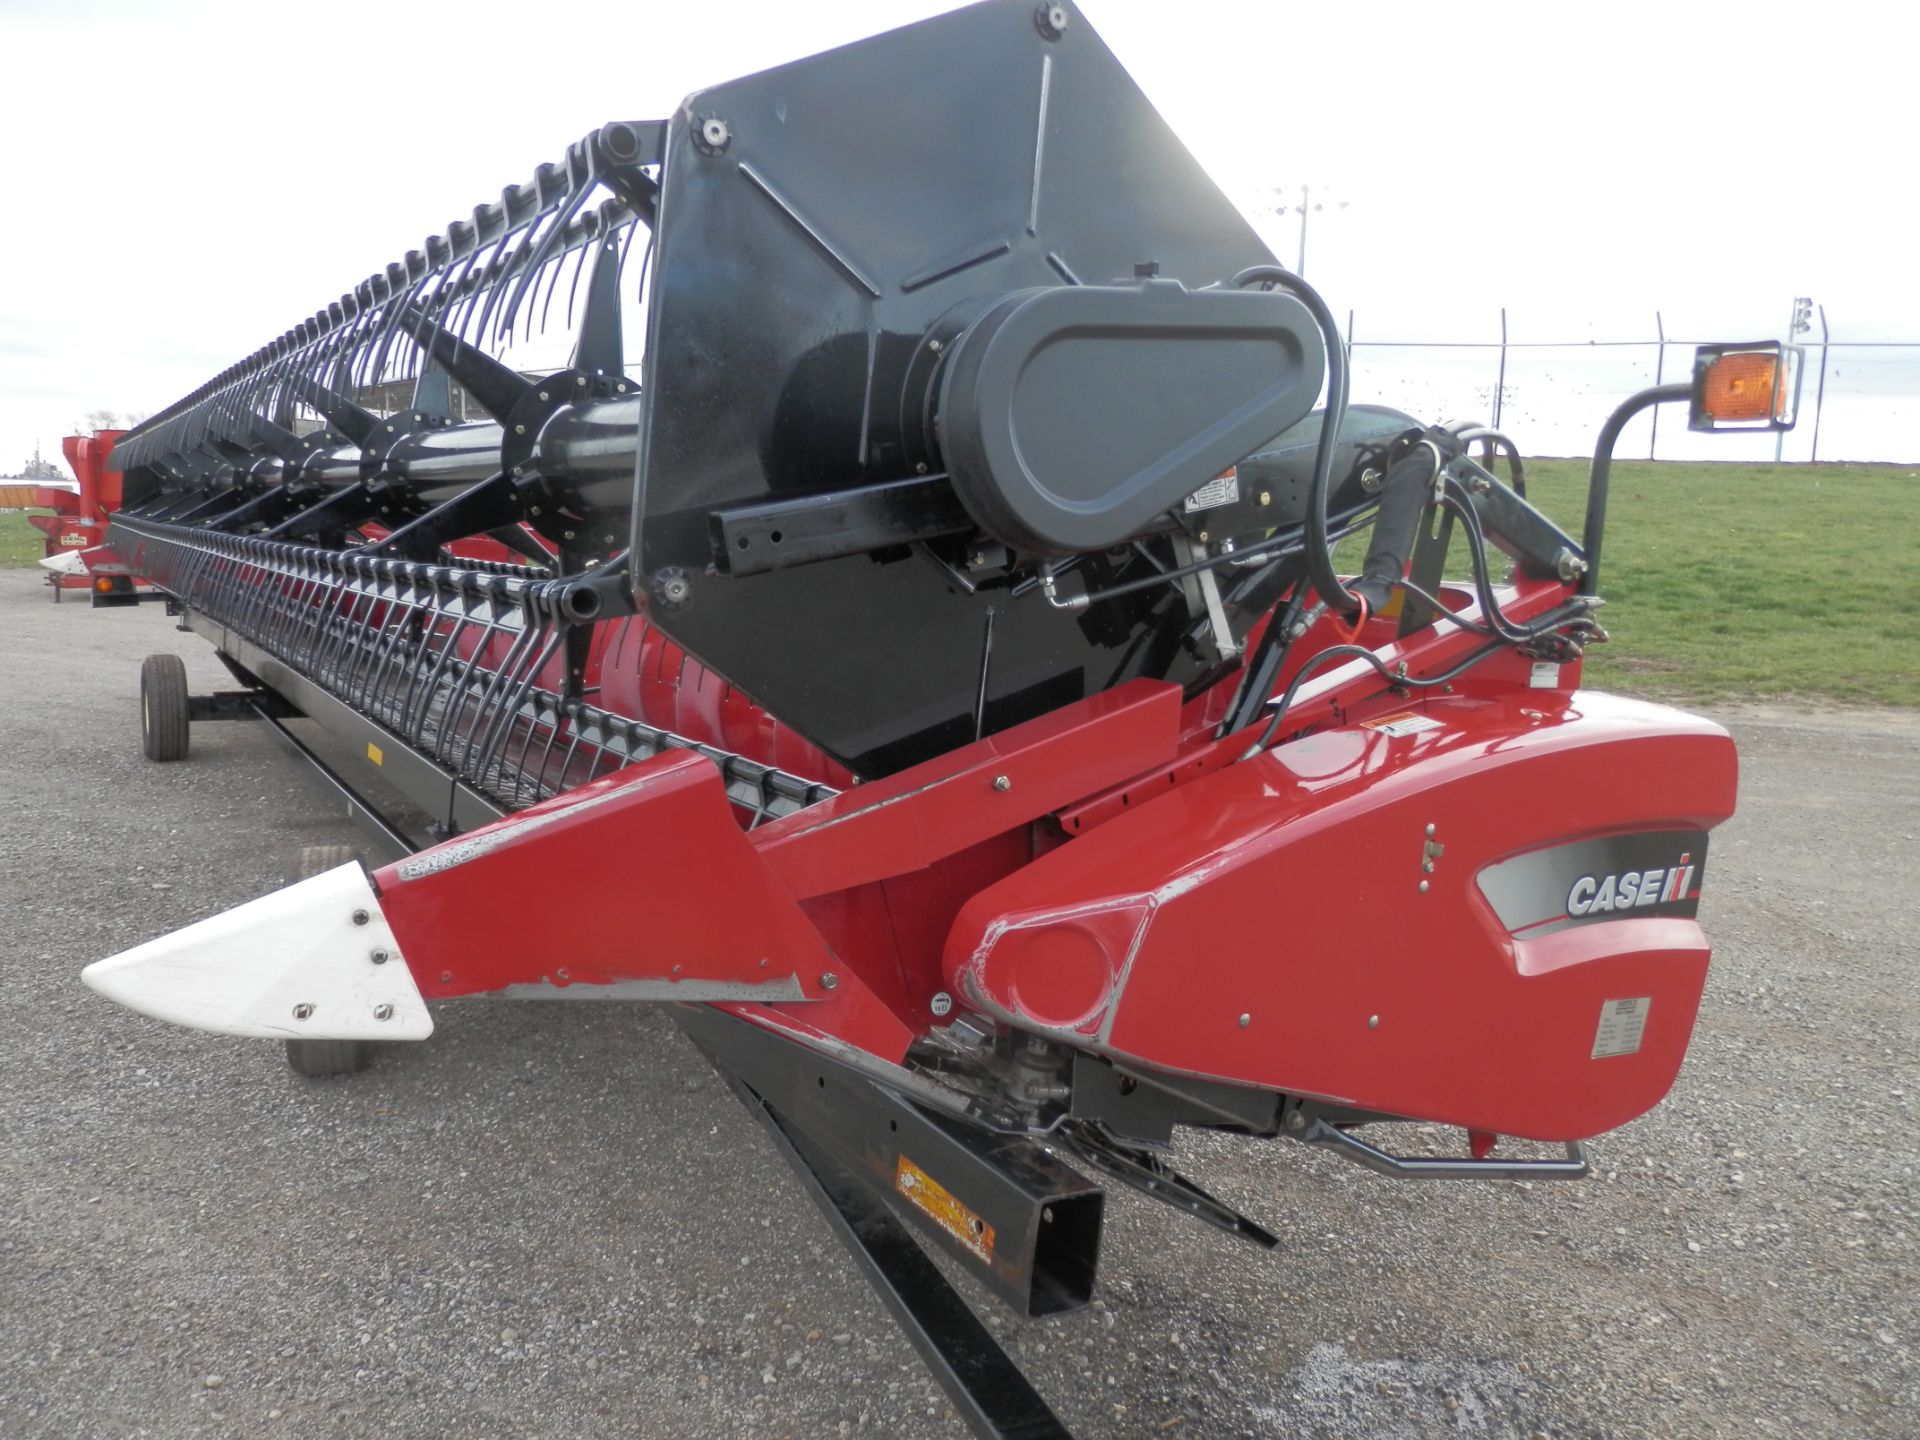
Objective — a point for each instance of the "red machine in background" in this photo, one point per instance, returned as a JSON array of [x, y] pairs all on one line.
[[79, 521], [930, 677]]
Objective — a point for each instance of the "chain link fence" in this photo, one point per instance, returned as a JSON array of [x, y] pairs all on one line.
[[1859, 401]]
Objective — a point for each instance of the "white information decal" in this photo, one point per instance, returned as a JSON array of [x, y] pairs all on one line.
[[1546, 675], [1622, 1023], [1221, 490], [1405, 723]]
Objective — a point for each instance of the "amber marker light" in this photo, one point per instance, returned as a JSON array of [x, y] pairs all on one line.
[[1745, 387]]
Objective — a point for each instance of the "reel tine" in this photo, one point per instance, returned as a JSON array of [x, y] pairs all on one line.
[[561, 220], [553, 284]]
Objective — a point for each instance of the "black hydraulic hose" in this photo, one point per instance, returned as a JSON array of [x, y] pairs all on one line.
[[1319, 548], [1403, 496], [1602, 471], [1256, 681], [1441, 612], [1494, 439], [1361, 652], [1275, 547], [1455, 499]]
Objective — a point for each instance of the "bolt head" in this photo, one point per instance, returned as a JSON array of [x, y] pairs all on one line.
[[1423, 887], [1296, 1121], [1430, 829], [360, 917], [829, 981], [1002, 783], [1245, 1021], [303, 1011], [380, 957], [383, 1012], [1373, 1022]]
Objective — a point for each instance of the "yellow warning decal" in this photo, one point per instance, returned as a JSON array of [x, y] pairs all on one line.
[[376, 754], [934, 1200]]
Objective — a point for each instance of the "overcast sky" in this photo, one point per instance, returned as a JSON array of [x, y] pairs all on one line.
[[185, 180]]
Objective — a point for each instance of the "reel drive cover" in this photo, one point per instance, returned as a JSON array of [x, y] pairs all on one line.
[[969, 247]]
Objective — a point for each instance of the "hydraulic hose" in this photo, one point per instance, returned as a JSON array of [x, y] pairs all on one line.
[[1319, 547], [1403, 499]]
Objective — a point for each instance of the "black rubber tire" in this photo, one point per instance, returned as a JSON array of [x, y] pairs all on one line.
[[164, 711], [321, 1058]]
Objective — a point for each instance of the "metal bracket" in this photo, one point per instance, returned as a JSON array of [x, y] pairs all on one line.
[[986, 1387], [1317, 1131], [1157, 1180], [240, 705]]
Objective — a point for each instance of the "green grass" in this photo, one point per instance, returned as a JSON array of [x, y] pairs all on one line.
[[20, 543], [1722, 581], [1748, 581]]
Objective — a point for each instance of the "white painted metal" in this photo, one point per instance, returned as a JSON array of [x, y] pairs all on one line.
[[67, 562], [259, 968]]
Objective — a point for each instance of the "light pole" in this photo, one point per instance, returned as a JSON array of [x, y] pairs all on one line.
[[1281, 206]]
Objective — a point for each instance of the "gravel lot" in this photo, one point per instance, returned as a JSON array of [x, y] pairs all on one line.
[[554, 1222]]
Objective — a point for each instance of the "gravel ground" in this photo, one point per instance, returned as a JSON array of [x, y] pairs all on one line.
[[554, 1222]]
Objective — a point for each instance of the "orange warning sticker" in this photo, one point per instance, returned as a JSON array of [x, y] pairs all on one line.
[[937, 1203]]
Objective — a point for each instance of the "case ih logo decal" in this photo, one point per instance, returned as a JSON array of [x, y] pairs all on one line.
[[1652, 873], [1633, 890]]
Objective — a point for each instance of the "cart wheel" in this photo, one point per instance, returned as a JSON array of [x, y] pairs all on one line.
[[163, 708], [325, 1057]]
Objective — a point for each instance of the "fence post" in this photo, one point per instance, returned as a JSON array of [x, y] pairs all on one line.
[[1820, 395], [1500, 384], [1659, 376]]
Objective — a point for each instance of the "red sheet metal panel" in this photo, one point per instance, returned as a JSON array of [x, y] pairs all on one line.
[[919, 816], [1292, 923], [640, 884]]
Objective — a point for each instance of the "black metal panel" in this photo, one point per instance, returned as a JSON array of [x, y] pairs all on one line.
[[1034, 1237], [988, 1391], [1045, 458], [814, 222]]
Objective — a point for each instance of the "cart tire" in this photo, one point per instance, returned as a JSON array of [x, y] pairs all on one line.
[[164, 712], [321, 1058]]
